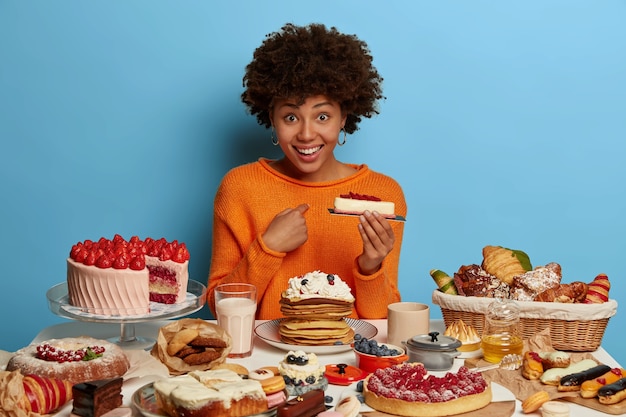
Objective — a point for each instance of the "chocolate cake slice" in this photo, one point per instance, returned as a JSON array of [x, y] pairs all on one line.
[[95, 398]]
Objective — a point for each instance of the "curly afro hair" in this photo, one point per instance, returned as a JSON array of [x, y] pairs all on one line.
[[304, 61]]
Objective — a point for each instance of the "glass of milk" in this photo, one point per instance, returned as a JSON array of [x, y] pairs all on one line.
[[235, 305]]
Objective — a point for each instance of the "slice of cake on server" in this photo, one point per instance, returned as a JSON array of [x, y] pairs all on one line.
[[354, 203]]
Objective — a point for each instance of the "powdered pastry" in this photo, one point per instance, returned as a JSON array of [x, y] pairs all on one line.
[[73, 359]]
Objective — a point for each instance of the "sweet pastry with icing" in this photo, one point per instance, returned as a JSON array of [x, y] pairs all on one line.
[[466, 334], [473, 280], [505, 263], [73, 359], [96, 398], [32, 394], [555, 359], [213, 393], [532, 365], [598, 290], [119, 278], [408, 390], [528, 285], [302, 372], [354, 203]]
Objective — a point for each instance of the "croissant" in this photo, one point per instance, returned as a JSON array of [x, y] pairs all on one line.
[[564, 293], [505, 263], [30, 394], [598, 291]]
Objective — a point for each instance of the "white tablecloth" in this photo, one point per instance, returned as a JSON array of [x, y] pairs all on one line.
[[267, 355]]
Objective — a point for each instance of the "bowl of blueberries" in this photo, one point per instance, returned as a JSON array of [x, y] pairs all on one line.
[[371, 355]]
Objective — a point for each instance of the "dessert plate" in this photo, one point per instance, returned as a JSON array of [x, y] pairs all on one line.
[[145, 401], [332, 211], [268, 332]]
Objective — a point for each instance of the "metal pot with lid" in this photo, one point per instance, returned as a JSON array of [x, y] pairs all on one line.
[[436, 352]]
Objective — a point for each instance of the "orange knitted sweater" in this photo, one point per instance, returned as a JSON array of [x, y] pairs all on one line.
[[247, 200]]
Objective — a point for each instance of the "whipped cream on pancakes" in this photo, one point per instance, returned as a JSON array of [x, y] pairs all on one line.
[[318, 284]]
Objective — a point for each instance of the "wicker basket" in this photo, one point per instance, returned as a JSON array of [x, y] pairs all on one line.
[[573, 327]]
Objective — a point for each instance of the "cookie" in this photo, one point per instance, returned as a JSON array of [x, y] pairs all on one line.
[[205, 341], [207, 356], [180, 340]]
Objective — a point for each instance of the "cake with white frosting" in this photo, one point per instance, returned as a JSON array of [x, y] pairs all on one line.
[[302, 372], [214, 393]]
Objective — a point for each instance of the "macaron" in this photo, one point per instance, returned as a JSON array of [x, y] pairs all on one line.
[[273, 384], [261, 374], [349, 406], [275, 399], [554, 409]]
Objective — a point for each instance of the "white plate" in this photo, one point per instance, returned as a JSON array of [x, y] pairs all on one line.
[[268, 331], [499, 392], [473, 354], [145, 401]]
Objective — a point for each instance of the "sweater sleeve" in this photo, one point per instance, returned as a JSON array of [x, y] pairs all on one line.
[[237, 256]]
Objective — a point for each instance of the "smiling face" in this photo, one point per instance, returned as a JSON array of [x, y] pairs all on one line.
[[307, 133]]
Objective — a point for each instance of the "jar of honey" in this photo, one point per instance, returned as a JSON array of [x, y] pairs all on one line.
[[501, 335]]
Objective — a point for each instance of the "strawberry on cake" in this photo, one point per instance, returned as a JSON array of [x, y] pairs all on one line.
[[119, 278], [354, 203]]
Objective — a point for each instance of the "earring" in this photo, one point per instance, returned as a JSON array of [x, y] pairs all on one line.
[[273, 139], [344, 138]]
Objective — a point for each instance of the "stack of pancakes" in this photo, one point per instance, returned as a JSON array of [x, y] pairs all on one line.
[[315, 321]]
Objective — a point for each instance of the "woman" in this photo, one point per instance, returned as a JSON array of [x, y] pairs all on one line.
[[310, 85]]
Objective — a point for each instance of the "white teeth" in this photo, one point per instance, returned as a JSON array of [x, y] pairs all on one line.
[[309, 151]]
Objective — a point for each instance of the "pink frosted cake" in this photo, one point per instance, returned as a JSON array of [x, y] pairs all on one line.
[[120, 278], [354, 203]]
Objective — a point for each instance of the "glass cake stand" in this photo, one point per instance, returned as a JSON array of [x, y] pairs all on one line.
[[59, 303]]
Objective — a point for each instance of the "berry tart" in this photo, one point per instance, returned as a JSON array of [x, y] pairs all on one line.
[[408, 390]]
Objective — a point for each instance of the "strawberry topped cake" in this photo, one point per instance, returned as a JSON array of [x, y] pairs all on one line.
[[408, 390], [354, 203], [117, 277]]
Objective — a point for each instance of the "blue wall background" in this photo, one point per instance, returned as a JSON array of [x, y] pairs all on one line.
[[504, 122]]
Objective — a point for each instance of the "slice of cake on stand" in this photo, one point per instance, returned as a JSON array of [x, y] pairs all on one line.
[[116, 277]]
